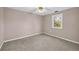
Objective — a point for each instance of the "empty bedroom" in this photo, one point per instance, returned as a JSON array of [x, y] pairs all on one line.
[[39, 28]]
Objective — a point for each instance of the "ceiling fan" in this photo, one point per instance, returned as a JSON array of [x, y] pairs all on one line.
[[43, 10], [40, 9]]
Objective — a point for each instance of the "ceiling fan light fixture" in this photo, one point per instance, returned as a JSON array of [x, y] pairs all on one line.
[[40, 9]]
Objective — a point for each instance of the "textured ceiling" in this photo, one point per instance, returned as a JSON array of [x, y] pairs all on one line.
[[49, 10]]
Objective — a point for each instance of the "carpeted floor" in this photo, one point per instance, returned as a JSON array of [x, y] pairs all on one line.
[[40, 43]]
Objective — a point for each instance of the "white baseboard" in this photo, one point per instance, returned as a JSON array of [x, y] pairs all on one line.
[[63, 38], [22, 37], [1, 44]]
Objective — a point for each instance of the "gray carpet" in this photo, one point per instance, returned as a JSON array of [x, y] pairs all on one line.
[[40, 43]]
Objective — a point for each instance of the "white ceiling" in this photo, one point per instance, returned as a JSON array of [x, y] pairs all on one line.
[[49, 10]]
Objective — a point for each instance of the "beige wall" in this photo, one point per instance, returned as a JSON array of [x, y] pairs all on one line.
[[70, 25], [19, 24], [1, 26]]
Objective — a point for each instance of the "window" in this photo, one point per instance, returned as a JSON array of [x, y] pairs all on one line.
[[57, 21]]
